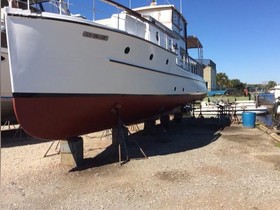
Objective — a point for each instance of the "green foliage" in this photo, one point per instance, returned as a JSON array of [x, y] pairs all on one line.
[[224, 82], [270, 84]]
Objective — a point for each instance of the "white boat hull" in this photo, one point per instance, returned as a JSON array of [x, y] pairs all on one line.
[[238, 108]]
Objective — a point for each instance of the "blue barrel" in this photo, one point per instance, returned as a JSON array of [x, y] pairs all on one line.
[[249, 119]]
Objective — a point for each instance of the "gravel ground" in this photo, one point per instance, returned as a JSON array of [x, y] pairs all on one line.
[[188, 167]]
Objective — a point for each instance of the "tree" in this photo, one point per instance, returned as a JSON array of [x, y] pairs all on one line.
[[237, 85], [270, 84], [222, 80]]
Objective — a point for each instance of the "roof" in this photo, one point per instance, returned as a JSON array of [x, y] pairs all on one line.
[[216, 92], [193, 42]]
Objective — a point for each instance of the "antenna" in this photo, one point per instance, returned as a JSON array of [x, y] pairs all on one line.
[[181, 7], [167, 2], [94, 11]]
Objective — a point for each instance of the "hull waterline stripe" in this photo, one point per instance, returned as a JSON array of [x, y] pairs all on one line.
[[35, 95]]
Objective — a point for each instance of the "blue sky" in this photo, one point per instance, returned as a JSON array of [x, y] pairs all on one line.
[[241, 36]]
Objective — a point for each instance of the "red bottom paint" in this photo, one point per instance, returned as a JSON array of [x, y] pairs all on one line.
[[62, 117]]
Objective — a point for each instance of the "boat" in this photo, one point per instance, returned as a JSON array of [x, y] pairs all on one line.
[[276, 91], [86, 75], [238, 107], [7, 111], [249, 106], [276, 107]]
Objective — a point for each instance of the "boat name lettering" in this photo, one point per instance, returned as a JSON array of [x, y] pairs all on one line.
[[95, 36]]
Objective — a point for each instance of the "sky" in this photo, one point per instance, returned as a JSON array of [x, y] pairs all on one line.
[[241, 36]]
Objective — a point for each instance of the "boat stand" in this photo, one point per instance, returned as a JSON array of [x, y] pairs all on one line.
[[121, 137], [19, 130], [121, 142], [8, 124], [56, 148], [235, 119]]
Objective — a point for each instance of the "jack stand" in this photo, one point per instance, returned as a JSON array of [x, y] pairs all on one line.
[[122, 141], [134, 128], [19, 130], [120, 135], [8, 124], [193, 108], [45, 155], [141, 150], [200, 112], [106, 133], [235, 119]]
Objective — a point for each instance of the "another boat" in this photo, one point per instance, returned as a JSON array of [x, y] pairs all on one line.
[[276, 91], [249, 106], [238, 107], [70, 75], [7, 111], [276, 107]]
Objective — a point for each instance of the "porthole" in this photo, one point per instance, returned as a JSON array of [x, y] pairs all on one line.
[[167, 61], [151, 57], [126, 50], [2, 58]]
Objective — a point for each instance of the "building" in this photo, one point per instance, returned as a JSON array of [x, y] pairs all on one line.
[[204, 67], [209, 74]]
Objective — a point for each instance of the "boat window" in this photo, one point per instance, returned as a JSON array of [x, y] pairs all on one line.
[[52, 7], [176, 18], [157, 36], [167, 61], [2, 58], [151, 57]]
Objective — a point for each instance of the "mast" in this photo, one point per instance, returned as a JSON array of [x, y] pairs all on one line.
[[181, 7], [94, 10]]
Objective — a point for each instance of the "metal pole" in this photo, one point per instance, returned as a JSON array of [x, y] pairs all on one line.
[[60, 7], [94, 10], [0, 108], [181, 7]]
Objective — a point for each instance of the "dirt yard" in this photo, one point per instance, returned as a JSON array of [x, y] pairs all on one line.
[[188, 167]]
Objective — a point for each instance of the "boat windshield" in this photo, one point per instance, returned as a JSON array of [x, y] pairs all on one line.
[[52, 6]]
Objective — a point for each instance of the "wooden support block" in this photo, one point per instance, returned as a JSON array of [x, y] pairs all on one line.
[[72, 151]]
